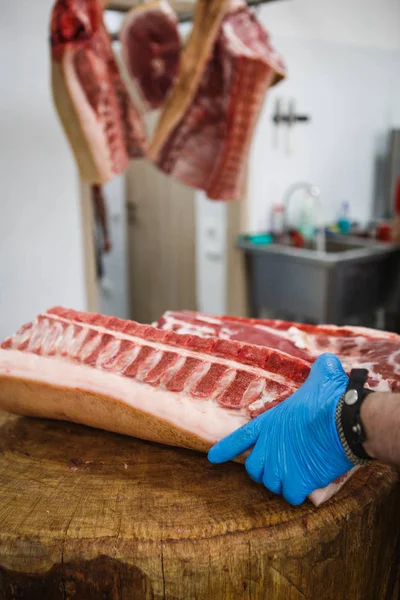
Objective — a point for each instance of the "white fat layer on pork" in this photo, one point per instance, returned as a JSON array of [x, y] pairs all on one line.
[[393, 360], [92, 127], [299, 338], [202, 418], [382, 385], [318, 497], [208, 319], [365, 332], [185, 327]]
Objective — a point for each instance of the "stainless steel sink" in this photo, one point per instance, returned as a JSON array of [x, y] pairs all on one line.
[[351, 277], [336, 248], [336, 245]]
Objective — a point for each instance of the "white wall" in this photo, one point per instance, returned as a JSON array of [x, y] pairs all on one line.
[[343, 62], [40, 232], [366, 23], [348, 92], [343, 58]]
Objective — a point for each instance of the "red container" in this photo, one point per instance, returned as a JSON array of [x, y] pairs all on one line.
[[384, 232], [397, 198], [296, 239]]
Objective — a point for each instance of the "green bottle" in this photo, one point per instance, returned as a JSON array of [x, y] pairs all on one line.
[[344, 222]]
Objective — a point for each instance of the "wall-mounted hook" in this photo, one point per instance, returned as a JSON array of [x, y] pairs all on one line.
[[277, 122], [290, 118], [278, 119]]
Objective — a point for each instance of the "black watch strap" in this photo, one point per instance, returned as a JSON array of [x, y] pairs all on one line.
[[348, 420]]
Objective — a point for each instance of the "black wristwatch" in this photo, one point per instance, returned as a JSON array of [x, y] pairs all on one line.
[[348, 421]]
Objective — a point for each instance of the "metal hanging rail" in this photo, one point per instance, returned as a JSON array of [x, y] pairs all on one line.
[[183, 17]]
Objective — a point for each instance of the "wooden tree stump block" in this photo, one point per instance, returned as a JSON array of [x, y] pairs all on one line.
[[86, 514]]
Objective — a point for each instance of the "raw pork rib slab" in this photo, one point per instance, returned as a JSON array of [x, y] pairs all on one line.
[[181, 390], [103, 127], [151, 49], [357, 347], [204, 134]]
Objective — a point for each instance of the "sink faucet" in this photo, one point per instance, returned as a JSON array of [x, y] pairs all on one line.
[[314, 192]]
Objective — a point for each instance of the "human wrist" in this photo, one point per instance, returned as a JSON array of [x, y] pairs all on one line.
[[349, 424], [368, 413]]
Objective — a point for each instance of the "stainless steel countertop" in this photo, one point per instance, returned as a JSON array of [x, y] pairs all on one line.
[[363, 249]]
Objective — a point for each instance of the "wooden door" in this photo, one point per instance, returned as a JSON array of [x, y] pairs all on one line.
[[161, 237]]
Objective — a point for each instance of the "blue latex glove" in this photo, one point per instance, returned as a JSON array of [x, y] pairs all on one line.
[[296, 445]]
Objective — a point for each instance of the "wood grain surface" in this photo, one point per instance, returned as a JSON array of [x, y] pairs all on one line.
[[86, 514]]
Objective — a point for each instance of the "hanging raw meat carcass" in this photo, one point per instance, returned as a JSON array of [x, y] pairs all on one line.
[[204, 134], [104, 129], [151, 49]]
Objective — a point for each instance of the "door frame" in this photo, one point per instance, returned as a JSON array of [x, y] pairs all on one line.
[[88, 246]]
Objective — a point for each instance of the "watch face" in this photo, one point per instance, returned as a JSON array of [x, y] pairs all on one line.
[[351, 397]]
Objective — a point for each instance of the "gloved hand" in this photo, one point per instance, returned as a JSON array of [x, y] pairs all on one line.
[[296, 445]]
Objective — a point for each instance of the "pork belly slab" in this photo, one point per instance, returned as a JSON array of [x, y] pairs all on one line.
[[104, 128], [158, 385], [204, 133]]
